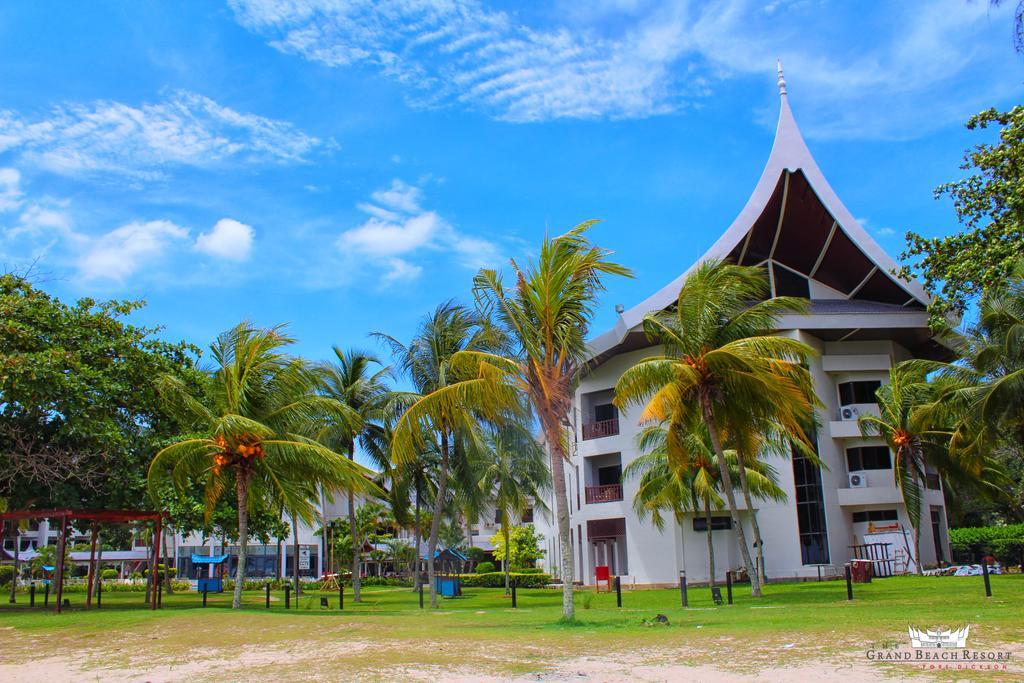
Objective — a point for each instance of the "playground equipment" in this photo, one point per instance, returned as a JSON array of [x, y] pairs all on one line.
[[213, 582]]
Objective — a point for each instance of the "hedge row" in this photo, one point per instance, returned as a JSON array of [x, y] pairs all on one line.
[[1006, 543], [497, 580]]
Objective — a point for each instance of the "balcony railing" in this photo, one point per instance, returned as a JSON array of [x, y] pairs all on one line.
[[604, 494], [595, 430]]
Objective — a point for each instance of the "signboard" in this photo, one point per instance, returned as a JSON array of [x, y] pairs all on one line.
[[303, 557]]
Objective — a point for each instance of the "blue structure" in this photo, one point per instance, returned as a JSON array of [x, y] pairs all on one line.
[[449, 565], [212, 584]]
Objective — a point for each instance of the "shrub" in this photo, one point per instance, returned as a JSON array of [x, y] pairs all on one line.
[[497, 580], [989, 539], [476, 555], [385, 581], [6, 573], [484, 567], [136, 575], [528, 570], [109, 574]]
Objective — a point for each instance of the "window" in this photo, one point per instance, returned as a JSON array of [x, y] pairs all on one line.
[[528, 516], [932, 481], [605, 411], [497, 516], [788, 283], [810, 508], [858, 392], [609, 476], [718, 523], [868, 458], [875, 516]]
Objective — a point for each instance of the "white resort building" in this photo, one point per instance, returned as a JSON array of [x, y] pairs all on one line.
[[862, 320]]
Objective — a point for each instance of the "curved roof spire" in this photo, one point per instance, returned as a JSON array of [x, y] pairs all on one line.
[[789, 155]]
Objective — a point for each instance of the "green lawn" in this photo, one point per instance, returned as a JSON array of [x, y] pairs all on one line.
[[805, 621]]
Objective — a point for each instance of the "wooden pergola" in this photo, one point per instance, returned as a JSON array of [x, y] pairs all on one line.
[[95, 517]]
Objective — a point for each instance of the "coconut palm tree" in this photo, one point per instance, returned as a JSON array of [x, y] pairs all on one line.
[[678, 473], [751, 443], [547, 313], [515, 476], [444, 410], [251, 433], [721, 364], [906, 421], [358, 380]]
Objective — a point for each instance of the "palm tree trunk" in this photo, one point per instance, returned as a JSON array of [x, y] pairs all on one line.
[[14, 578], [553, 435], [504, 534], [435, 523], [742, 469], [99, 563], [277, 569], [730, 496], [416, 534], [242, 489], [711, 544], [167, 563], [357, 548], [295, 555]]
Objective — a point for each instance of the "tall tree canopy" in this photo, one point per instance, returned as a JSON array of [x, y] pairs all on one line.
[[990, 204], [79, 415]]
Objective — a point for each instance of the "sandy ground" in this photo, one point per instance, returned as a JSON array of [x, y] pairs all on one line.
[[295, 664]]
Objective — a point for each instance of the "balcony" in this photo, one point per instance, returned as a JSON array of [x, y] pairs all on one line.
[[596, 430], [604, 494]]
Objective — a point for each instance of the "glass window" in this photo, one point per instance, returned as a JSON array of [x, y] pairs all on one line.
[[868, 458], [718, 523], [858, 392], [810, 508], [605, 411], [788, 283], [528, 516], [875, 516]]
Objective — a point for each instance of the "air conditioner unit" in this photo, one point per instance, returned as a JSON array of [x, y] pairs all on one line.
[[850, 412], [858, 480]]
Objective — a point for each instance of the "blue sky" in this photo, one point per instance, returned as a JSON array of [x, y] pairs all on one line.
[[344, 166]]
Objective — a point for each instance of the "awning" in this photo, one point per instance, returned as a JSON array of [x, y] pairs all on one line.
[[209, 559]]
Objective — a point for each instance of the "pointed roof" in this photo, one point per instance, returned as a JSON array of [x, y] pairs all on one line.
[[796, 224]]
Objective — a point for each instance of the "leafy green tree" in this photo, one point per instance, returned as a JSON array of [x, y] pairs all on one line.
[[547, 313], [520, 545], [353, 380], [722, 365], [514, 477], [79, 415], [255, 423], [990, 205]]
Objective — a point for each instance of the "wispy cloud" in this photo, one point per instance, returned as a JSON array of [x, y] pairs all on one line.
[[142, 142], [399, 232], [657, 58], [465, 53], [10, 189]]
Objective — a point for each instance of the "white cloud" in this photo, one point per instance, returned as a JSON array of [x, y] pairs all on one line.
[[10, 189], [143, 141], [400, 270], [122, 251], [465, 53], [402, 230], [631, 59], [229, 239]]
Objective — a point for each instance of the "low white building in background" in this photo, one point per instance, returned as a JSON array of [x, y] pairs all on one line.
[[862, 321]]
